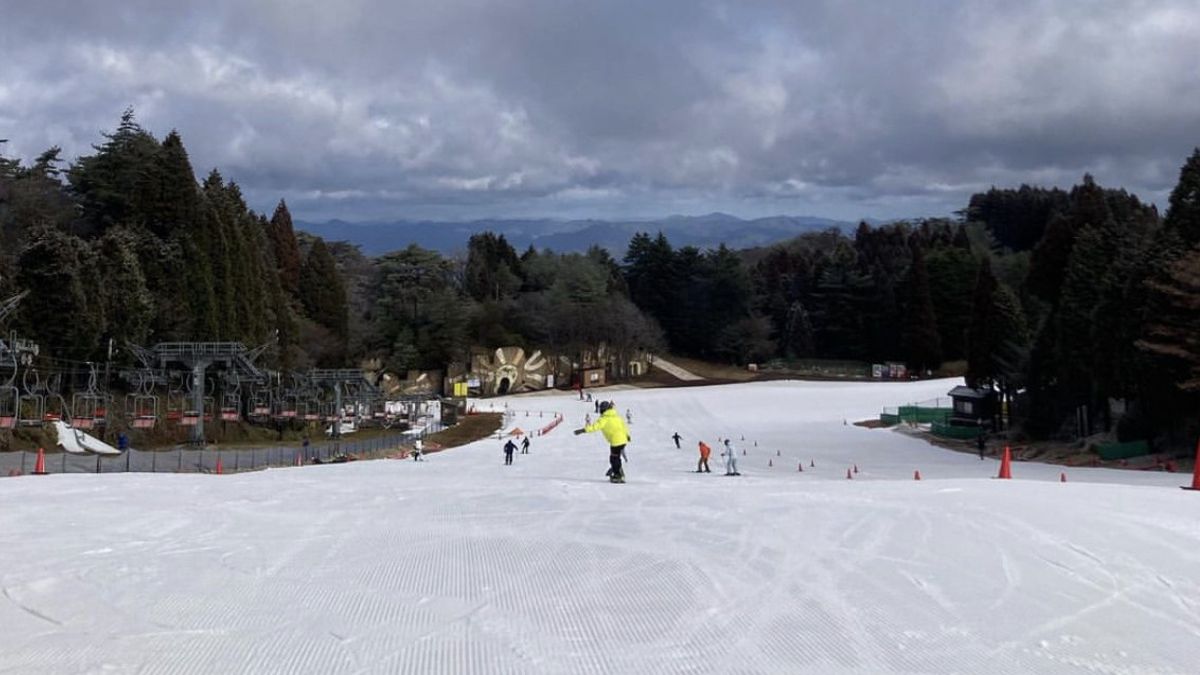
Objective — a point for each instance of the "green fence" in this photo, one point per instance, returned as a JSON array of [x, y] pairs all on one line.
[[913, 414], [923, 414], [945, 430], [1109, 451]]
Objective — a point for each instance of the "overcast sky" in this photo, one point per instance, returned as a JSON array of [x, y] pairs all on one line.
[[462, 109]]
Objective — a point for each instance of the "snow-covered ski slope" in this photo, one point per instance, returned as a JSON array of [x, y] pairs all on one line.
[[462, 565]]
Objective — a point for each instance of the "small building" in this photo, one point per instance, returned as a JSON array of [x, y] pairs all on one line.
[[592, 377], [973, 406]]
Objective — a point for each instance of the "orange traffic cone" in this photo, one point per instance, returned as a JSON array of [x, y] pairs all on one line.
[[1195, 470], [848, 476], [1006, 464], [917, 475], [39, 467], [299, 459], [1062, 477], [220, 468]]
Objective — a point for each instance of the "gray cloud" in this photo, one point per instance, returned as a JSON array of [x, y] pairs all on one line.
[[366, 109]]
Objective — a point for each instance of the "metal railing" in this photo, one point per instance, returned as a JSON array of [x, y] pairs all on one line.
[[184, 459]]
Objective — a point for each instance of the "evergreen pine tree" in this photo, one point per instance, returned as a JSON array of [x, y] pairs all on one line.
[[322, 291], [981, 344], [286, 248], [920, 333], [1183, 215]]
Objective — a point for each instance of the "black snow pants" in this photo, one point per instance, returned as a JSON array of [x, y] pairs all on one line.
[[614, 461]]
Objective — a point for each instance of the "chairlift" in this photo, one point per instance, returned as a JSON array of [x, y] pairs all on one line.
[[142, 411], [177, 400], [10, 396], [231, 398], [289, 400], [10, 399], [89, 408], [260, 401], [208, 402], [312, 406], [329, 411], [141, 405], [56, 409], [31, 406]]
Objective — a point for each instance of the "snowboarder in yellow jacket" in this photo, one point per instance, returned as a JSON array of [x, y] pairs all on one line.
[[615, 432]]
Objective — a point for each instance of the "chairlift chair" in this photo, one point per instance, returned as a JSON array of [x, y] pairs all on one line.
[[231, 399], [89, 408], [260, 402], [329, 412], [89, 411], [141, 409], [178, 403], [289, 406], [141, 406], [312, 408], [10, 396], [31, 407]]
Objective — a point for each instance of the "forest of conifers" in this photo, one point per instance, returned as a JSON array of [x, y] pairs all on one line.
[[1062, 299]]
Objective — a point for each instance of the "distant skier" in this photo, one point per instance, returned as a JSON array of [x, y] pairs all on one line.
[[730, 459], [676, 436], [616, 434], [418, 448], [981, 440], [509, 449], [525, 446], [596, 407], [589, 397], [702, 465], [122, 442]]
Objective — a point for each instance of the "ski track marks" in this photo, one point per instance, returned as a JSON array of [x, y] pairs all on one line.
[[462, 565]]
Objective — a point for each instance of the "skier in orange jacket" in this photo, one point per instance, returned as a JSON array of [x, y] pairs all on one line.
[[702, 465]]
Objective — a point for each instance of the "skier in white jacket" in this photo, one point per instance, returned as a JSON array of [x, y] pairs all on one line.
[[730, 459]]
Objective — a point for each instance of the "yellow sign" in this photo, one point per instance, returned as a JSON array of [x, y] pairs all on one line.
[[460, 389]]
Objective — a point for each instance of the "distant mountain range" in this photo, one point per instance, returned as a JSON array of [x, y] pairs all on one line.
[[565, 236]]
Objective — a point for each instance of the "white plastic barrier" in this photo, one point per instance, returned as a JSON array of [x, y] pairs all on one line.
[[79, 443]]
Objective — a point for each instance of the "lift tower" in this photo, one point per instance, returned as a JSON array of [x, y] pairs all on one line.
[[197, 357]]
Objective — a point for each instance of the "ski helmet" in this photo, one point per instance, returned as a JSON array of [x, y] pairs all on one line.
[[605, 405]]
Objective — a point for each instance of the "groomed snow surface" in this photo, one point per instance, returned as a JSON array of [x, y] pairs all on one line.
[[462, 565]]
